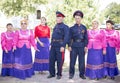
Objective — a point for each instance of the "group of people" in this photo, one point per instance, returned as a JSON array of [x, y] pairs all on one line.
[[101, 46]]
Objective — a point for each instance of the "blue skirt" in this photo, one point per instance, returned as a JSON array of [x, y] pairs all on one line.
[[23, 66], [95, 66], [41, 62], [110, 62], [7, 63]]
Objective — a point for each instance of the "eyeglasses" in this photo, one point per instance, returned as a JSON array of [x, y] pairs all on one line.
[[23, 23]]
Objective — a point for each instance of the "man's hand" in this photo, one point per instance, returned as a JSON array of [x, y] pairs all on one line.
[[69, 48], [62, 49], [85, 49]]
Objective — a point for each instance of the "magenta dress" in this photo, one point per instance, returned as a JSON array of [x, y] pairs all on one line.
[[23, 65], [110, 60], [95, 63], [7, 58]]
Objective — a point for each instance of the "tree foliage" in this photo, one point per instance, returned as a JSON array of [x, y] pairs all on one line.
[[90, 9], [112, 12], [20, 7]]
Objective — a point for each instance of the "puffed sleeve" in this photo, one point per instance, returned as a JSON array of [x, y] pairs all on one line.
[[86, 37], [48, 32], [15, 39], [36, 32], [3, 41], [103, 40], [66, 36], [117, 41], [70, 37], [32, 40]]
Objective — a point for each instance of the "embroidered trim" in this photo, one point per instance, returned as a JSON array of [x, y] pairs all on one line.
[[41, 60], [7, 65], [94, 67], [110, 65], [23, 67], [93, 35], [8, 37], [26, 35], [113, 34]]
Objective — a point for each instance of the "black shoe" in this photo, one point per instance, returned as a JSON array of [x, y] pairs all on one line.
[[112, 78], [58, 77], [105, 77], [83, 77], [97, 78], [71, 76], [50, 76]]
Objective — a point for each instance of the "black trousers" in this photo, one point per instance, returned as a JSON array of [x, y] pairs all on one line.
[[56, 56], [77, 51]]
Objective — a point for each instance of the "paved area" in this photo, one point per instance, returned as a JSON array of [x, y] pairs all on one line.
[[38, 78]]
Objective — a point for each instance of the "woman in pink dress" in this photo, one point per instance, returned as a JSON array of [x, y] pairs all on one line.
[[24, 38], [7, 55], [96, 49], [110, 61]]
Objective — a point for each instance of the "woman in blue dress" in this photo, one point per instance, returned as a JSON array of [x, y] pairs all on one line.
[[7, 46], [42, 35]]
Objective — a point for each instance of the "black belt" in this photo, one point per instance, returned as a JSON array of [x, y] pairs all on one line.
[[78, 40], [57, 40]]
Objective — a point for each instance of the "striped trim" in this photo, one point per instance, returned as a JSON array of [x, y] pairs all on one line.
[[94, 67], [110, 65], [7, 65], [23, 67], [41, 60]]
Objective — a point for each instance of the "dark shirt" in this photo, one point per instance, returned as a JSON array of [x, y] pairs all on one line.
[[60, 34], [78, 33]]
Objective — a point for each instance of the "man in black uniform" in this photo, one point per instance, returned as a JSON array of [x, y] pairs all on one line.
[[78, 40], [58, 43]]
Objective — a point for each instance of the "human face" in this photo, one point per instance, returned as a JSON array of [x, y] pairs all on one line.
[[23, 25], [43, 21], [109, 25], [9, 28], [78, 19], [95, 25], [59, 19]]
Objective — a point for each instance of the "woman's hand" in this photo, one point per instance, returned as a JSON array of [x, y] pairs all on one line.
[[104, 52], [41, 44], [6, 50], [14, 49]]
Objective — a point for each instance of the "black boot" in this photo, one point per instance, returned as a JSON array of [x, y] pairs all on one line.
[[83, 77], [50, 76], [58, 77], [112, 78], [97, 78], [71, 76], [105, 77]]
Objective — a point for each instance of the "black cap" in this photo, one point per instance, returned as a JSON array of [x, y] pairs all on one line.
[[78, 13], [59, 14]]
